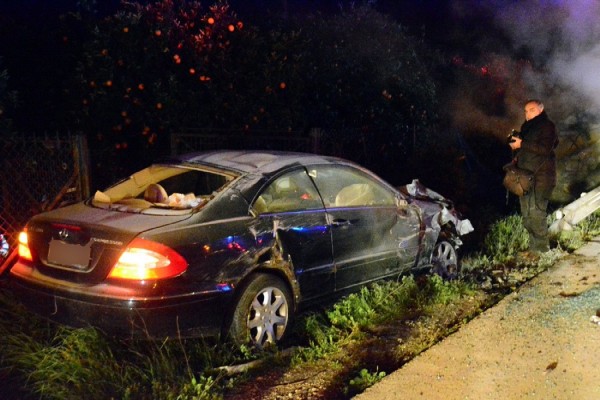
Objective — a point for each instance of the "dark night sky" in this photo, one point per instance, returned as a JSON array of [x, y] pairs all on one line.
[[410, 12], [434, 18]]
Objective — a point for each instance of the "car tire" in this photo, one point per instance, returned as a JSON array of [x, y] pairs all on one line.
[[263, 312], [444, 260]]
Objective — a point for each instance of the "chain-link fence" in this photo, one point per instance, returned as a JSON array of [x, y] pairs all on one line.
[[39, 173]]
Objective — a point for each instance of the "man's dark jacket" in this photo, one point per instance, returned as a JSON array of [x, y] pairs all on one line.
[[537, 149]]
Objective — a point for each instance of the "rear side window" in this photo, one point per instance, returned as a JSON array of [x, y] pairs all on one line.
[[163, 187], [293, 191], [200, 183]]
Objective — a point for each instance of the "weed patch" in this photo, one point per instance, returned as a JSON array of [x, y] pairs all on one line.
[[364, 380], [505, 239]]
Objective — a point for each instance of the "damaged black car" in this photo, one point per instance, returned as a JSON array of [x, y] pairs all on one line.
[[230, 244]]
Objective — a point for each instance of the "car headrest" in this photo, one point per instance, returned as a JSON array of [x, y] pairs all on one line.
[[155, 193]]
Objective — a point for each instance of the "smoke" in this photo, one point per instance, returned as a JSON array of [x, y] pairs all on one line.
[[581, 73], [562, 38], [553, 53], [545, 49]]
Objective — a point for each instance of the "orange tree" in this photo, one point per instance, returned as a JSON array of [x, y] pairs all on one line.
[[151, 69], [146, 70]]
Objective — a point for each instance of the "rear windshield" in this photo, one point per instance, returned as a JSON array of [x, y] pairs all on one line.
[[161, 187]]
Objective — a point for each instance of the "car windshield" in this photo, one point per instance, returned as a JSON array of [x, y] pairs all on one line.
[[163, 187]]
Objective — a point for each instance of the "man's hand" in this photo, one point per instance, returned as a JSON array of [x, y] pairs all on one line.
[[515, 143]]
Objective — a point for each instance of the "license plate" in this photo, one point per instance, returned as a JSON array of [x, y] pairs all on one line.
[[69, 255]]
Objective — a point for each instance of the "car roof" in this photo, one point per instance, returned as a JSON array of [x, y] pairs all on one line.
[[256, 161]]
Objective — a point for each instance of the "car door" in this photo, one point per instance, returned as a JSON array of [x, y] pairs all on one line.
[[290, 209], [373, 234]]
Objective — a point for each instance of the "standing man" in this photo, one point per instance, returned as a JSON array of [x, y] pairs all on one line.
[[535, 152]]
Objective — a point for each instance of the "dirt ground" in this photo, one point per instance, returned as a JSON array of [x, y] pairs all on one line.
[[537, 343]]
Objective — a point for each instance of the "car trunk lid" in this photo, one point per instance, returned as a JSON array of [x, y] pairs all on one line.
[[80, 243]]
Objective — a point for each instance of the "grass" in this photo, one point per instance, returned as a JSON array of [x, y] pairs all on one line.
[[364, 380], [505, 239], [64, 363], [45, 361], [585, 231], [56, 362]]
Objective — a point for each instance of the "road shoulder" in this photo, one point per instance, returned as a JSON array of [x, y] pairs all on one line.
[[538, 342]]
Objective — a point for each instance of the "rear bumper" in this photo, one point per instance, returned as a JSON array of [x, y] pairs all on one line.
[[189, 315]]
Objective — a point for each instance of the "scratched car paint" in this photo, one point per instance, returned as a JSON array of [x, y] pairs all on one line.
[[229, 243]]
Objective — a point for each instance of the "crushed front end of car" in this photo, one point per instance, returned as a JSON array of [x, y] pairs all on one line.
[[444, 227]]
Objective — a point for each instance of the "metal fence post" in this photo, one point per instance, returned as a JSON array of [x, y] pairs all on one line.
[[81, 156]]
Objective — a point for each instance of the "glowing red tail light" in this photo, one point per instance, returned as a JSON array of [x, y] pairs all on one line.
[[148, 260], [23, 249]]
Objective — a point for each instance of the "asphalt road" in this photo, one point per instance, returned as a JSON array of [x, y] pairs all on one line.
[[539, 342]]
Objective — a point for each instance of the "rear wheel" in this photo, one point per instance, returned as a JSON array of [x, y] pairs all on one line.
[[445, 260], [263, 312]]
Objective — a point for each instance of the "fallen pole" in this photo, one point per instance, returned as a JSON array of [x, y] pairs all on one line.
[[575, 212]]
